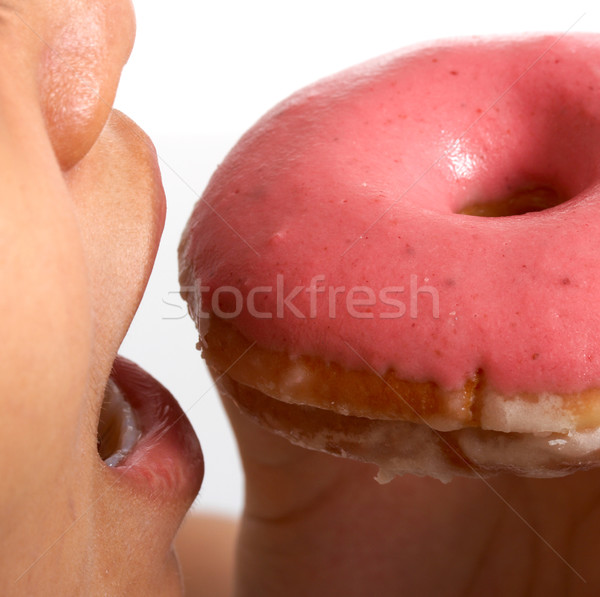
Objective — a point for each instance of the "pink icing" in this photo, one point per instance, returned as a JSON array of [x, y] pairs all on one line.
[[355, 182]]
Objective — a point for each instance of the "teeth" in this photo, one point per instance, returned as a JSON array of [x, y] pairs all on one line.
[[118, 430]]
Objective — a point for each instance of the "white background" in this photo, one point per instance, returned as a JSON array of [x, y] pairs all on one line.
[[201, 73]]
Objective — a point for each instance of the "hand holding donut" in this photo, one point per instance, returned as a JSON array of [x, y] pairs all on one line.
[[398, 265], [320, 525]]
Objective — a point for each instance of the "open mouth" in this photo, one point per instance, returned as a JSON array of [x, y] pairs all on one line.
[[119, 427], [145, 436]]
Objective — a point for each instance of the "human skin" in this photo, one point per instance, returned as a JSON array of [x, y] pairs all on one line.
[[320, 525], [82, 210], [76, 254]]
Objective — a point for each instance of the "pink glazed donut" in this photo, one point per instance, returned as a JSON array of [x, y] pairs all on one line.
[[400, 263]]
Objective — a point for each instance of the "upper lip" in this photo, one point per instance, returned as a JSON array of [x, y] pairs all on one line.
[[167, 458]]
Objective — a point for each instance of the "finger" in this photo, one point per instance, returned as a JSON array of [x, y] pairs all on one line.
[[282, 478]]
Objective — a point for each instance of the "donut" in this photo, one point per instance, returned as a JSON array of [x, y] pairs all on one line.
[[398, 263]]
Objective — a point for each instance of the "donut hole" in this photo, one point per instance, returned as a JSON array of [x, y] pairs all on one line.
[[529, 199]]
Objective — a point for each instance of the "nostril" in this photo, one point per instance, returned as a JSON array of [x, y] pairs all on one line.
[[528, 199]]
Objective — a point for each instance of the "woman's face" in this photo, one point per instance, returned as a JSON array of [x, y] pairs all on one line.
[[81, 213]]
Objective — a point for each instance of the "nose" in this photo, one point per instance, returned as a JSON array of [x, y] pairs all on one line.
[[84, 47]]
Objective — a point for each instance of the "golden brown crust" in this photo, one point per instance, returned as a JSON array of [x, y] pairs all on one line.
[[333, 433], [311, 381]]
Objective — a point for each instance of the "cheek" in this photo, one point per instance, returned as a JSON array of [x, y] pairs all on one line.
[[79, 73]]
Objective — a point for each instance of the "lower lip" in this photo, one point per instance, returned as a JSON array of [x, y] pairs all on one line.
[[167, 458]]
